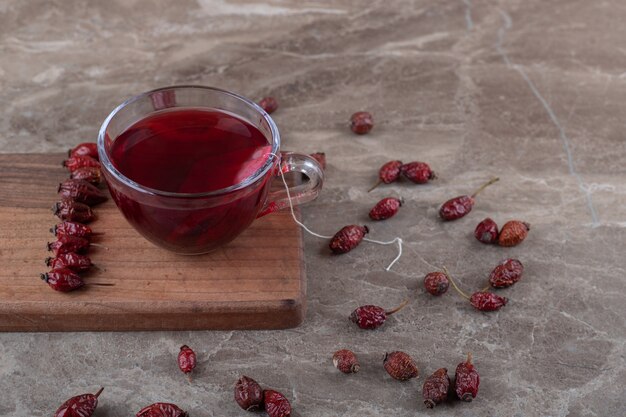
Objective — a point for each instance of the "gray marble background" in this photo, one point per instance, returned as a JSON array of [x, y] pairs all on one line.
[[532, 91]]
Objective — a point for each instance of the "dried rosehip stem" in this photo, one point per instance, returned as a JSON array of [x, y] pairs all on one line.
[[485, 185], [461, 292], [400, 307], [97, 394]]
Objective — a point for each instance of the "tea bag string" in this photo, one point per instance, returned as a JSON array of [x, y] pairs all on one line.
[[299, 223]]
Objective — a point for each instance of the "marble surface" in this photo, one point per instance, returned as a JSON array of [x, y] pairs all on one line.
[[529, 90]]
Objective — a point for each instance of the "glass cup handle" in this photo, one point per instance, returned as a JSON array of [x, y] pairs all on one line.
[[300, 193]]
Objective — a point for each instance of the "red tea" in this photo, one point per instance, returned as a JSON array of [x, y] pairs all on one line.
[[191, 151]]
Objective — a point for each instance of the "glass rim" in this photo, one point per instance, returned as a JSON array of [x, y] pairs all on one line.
[[108, 165]]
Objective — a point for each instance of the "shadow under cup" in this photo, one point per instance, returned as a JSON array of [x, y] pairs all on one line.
[[196, 223]]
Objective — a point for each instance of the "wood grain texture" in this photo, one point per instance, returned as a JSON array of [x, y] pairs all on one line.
[[255, 282]]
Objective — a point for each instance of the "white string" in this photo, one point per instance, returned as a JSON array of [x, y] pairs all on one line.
[[299, 223]]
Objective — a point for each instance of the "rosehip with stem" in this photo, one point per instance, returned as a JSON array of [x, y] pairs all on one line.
[[347, 238], [63, 280], [75, 229], [400, 366], [81, 191], [79, 406], [436, 387], [466, 380], [417, 172], [385, 208], [370, 317], [458, 207], [346, 361], [361, 122], [248, 394], [480, 300], [388, 173], [70, 260], [487, 231], [513, 233], [70, 210]]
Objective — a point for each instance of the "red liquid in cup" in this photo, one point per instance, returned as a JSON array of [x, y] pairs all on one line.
[[191, 151]]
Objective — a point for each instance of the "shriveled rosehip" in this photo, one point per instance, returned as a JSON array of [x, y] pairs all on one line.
[[64, 280], [385, 208], [85, 149], [67, 244], [370, 317], [75, 162], [72, 229], [79, 406], [388, 173], [487, 301], [507, 273], [345, 360], [81, 191], [436, 283], [361, 122], [457, 207], [162, 410], [436, 387], [320, 157], [248, 394], [70, 210], [513, 233], [487, 231], [348, 238], [418, 172], [92, 175], [466, 380], [70, 260], [400, 366], [269, 104], [186, 359], [276, 404]]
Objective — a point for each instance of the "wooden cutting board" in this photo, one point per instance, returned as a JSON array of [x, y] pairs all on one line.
[[255, 282]]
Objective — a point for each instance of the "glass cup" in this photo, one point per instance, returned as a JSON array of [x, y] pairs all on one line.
[[196, 223]]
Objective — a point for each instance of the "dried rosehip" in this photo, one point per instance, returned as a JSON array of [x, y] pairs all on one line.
[[466, 380], [487, 231], [248, 394], [345, 360], [388, 173], [276, 404], [436, 387], [400, 366], [81, 191], [79, 406], [436, 283], [348, 238], [507, 273], [92, 175], [75, 162], [458, 207], [85, 149], [72, 229], [70, 210], [513, 233], [385, 208], [320, 157], [487, 301], [64, 280], [361, 122], [67, 244], [70, 260], [162, 410], [186, 359], [418, 172], [269, 104], [370, 317]]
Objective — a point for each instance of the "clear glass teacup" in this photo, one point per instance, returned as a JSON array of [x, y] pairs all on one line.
[[199, 222]]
